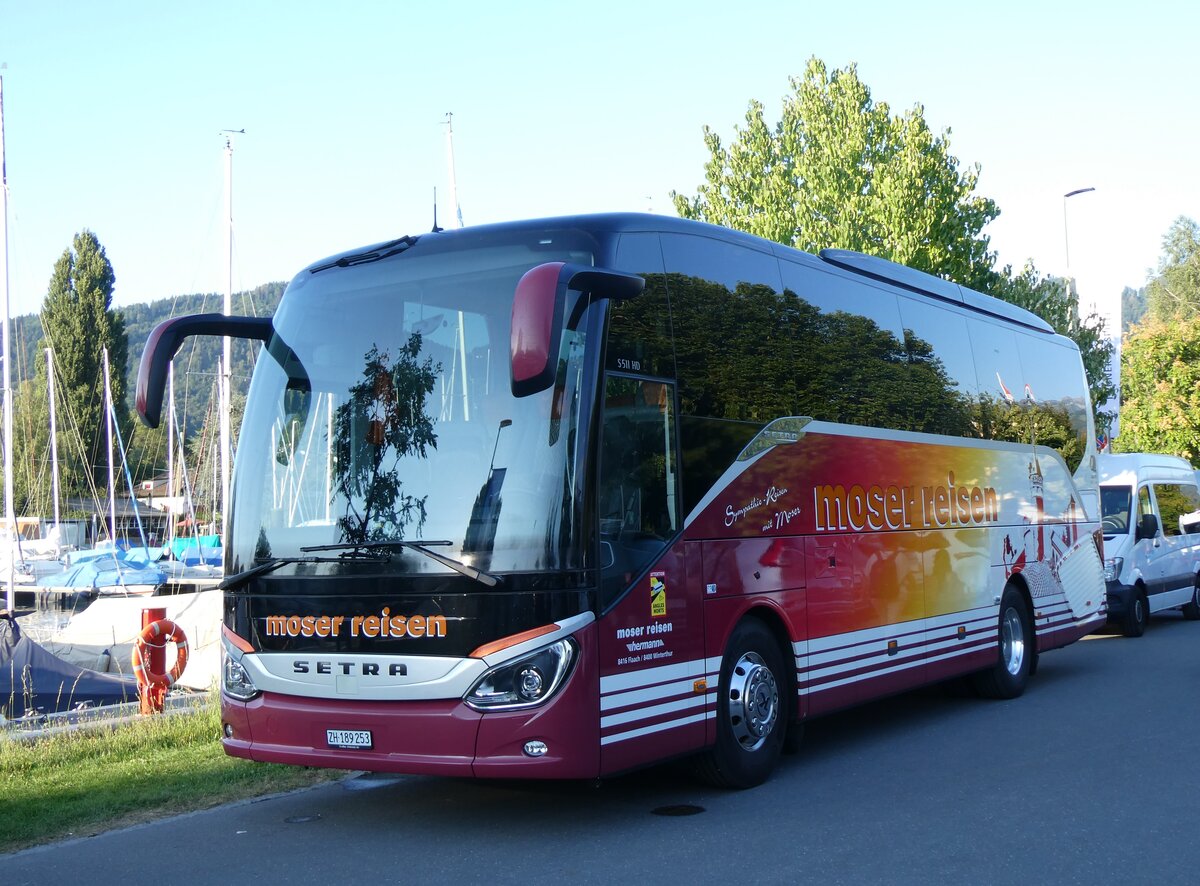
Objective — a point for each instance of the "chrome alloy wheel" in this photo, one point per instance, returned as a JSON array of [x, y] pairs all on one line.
[[753, 701], [1012, 641]]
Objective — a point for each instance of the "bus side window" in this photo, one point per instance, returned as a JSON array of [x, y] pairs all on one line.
[[639, 502]]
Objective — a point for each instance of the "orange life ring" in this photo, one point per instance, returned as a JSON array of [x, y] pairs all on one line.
[[157, 634]]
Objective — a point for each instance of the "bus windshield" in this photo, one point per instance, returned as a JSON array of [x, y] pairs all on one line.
[[381, 410]]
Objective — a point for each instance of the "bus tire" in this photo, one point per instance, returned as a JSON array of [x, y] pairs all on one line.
[[1137, 616], [1191, 609], [1008, 677], [752, 710]]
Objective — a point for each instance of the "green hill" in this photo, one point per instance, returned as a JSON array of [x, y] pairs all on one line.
[[197, 362]]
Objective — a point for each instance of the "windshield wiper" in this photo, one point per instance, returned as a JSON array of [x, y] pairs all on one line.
[[421, 546], [384, 250], [241, 579]]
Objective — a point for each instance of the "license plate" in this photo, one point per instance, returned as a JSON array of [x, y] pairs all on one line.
[[348, 738]]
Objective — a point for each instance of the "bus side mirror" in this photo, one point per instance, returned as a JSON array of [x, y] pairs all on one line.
[[537, 316], [1147, 527], [164, 342]]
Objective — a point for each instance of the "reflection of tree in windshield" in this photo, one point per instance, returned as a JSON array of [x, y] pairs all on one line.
[[383, 417]]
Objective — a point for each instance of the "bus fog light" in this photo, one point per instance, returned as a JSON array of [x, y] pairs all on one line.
[[524, 682], [228, 730], [536, 749]]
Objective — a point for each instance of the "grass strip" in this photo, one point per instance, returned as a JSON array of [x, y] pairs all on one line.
[[84, 782]]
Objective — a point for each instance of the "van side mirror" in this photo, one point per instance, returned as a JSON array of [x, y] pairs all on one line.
[[1147, 527], [164, 342], [537, 316]]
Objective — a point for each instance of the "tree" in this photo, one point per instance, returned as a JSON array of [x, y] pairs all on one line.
[[1133, 307], [838, 170], [1175, 292], [1160, 389], [79, 323], [1160, 357]]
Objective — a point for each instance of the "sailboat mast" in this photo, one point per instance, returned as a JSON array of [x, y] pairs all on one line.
[[226, 372], [462, 341], [53, 433], [170, 456], [9, 517], [112, 484], [450, 162]]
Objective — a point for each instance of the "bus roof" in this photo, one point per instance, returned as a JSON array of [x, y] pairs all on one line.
[[843, 262]]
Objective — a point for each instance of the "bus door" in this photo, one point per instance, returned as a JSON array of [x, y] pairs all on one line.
[[651, 659]]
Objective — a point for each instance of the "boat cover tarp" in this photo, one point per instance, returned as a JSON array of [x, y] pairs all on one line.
[[196, 550], [109, 570], [103, 634], [33, 679]]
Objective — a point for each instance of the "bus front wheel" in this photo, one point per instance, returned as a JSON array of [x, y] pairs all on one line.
[[1016, 647], [752, 710]]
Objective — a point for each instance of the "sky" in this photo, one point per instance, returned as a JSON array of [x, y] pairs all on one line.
[[114, 115]]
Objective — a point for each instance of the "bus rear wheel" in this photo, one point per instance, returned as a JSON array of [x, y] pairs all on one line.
[[1008, 677], [752, 710]]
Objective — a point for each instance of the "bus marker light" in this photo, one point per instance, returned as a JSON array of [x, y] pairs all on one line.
[[962, 632], [700, 686], [893, 647], [505, 642], [236, 641], [536, 749]]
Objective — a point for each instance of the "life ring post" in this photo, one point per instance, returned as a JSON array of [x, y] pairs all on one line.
[[150, 661], [151, 696]]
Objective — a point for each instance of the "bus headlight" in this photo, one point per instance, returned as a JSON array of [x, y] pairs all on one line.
[[524, 682], [1113, 567], [235, 680]]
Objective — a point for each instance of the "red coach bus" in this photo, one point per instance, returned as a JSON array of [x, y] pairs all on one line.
[[563, 498]]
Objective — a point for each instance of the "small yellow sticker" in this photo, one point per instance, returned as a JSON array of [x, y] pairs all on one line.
[[658, 594]]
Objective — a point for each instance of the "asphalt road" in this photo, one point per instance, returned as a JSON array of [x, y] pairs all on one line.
[[1090, 777]]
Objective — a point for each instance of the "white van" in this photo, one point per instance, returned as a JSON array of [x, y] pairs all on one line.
[[1151, 510]]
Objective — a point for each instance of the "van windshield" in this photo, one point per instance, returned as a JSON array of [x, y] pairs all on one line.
[[1115, 504]]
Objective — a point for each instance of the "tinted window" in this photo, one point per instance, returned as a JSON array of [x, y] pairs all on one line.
[[639, 499], [1031, 390], [639, 330], [939, 351], [1059, 395]]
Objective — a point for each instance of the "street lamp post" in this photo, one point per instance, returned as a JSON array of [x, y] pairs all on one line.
[[1066, 238]]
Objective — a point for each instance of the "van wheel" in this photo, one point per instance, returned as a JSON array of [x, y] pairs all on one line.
[[752, 710], [1191, 611], [1137, 616], [1008, 677]]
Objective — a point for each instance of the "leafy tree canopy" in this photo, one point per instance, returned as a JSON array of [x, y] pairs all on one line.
[[1160, 389], [839, 170], [1175, 292]]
